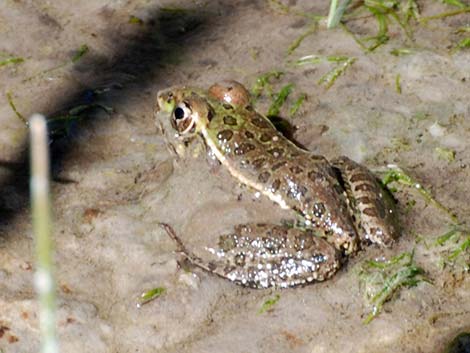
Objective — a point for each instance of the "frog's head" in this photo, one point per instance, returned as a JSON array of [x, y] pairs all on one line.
[[191, 109], [181, 113], [186, 110]]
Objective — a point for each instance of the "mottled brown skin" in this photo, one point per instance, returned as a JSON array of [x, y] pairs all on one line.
[[263, 255], [305, 182], [341, 202], [374, 206]]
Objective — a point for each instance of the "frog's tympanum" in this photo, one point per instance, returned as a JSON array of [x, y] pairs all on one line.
[[342, 203]]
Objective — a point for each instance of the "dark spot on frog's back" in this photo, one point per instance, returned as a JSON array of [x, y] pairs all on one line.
[[296, 169], [264, 177], [260, 122], [364, 200], [230, 120], [275, 185], [316, 176], [212, 266], [258, 163], [249, 135], [266, 136], [278, 165], [225, 135], [243, 148], [370, 212]]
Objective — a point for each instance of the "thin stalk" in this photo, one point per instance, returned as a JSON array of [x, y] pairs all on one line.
[[15, 110], [331, 14], [445, 14], [42, 224], [336, 13]]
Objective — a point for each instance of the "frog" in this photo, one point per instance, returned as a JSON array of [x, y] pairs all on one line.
[[341, 203]]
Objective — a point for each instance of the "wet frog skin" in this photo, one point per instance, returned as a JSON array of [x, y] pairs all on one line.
[[342, 203]]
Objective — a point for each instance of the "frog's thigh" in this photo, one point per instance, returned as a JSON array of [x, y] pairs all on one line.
[[263, 255], [372, 204]]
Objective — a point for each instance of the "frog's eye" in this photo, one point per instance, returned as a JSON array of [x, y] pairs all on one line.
[[179, 113], [182, 118], [182, 111]]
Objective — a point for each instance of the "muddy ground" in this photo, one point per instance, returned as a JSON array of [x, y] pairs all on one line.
[[114, 179]]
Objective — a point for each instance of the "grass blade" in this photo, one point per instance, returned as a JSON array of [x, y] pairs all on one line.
[[269, 303], [396, 174], [280, 99], [11, 61], [382, 279], [150, 295], [13, 107]]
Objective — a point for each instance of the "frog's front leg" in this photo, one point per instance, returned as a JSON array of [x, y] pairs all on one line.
[[263, 255], [372, 205]]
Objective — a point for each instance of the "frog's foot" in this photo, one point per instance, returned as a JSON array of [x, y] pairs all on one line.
[[373, 206], [261, 256]]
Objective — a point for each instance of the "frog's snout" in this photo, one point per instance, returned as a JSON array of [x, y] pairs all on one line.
[[165, 102]]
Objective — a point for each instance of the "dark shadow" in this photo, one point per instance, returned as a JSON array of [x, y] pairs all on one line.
[[286, 129], [164, 36], [283, 126]]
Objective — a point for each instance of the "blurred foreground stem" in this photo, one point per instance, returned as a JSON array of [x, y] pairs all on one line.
[[41, 213]]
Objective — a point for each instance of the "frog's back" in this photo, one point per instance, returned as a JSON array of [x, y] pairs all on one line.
[[258, 155]]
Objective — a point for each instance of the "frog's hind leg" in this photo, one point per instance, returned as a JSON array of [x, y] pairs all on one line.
[[373, 207], [261, 256]]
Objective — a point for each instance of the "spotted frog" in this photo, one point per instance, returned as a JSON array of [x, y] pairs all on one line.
[[341, 203]]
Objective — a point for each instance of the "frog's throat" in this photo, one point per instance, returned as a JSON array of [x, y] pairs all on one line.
[[235, 173]]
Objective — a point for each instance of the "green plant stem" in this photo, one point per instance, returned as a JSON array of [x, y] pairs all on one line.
[[11, 61], [445, 14], [13, 107], [336, 13], [310, 30], [331, 15]]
